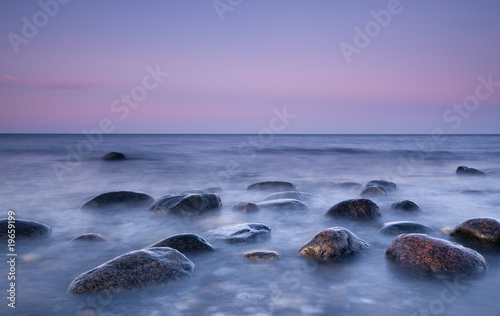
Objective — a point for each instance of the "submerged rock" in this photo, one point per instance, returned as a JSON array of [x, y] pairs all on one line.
[[350, 185], [404, 227], [388, 185], [187, 204], [262, 255], [356, 209], [374, 191], [118, 199], [185, 243], [333, 244], [405, 205], [246, 207], [420, 253], [134, 270], [466, 171], [296, 195], [90, 237], [240, 232], [483, 230], [272, 186], [114, 156], [283, 204], [23, 229]]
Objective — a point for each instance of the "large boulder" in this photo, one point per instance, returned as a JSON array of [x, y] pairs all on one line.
[[388, 185], [118, 199], [404, 227], [187, 204], [297, 195], [185, 243], [22, 229], [283, 204], [422, 254], [483, 230], [374, 191], [134, 270], [355, 209], [333, 244], [246, 207], [113, 156], [240, 232], [466, 171], [405, 205], [275, 186]]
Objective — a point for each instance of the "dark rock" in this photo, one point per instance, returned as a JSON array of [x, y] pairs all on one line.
[[118, 199], [187, 204], [420, 253], [374, 191], [333, 244], [466, 171], [262, 255], [240, 232], [23, 229], [356, 209], [90, 237], [472, 192], [405, 205], [389, 186], [246, 207], [296, 195], [272, 186], [185, 243], [283, 204], [134, 270], [403, 227], [114, 156], [483, 230]]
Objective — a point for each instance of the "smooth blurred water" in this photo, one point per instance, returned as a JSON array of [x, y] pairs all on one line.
[[44, 178]]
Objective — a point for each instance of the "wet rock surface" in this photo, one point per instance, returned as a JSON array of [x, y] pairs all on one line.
[[262, 255], [422, 254], [187, 204], [240, 232], [246, 207], [404, 227], [388, 185], [185, 243], [90, 237], [118, 199], [466, 171], [23, 229], [483, 230], [355, 209], [374, 191], [275, 186], [333, 244], [134, 270], [405, 205], [283, 204], [113, 156], [296, 195]]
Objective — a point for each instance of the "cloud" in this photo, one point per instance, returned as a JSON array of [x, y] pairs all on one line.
[[51, 84]]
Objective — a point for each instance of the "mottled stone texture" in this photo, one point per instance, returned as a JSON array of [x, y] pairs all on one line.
[[24, 229], [356, 209], [187, 204], [262, 255], [118, 199], [185, 243], [480, 230]]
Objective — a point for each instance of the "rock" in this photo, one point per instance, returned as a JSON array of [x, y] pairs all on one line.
[[262, 255], [90, 237], [389, 186], [187, 204], [240, 232], [422, 254], [23, 229], [185, 243], [374, 191], [114, 156], [118, 199], [466, 171], [301, 196], [446, 230], [405, 205], [283, 204], [403, 227], [134, 270], [272, 186], [356, 209], [483, 230], [350, 185], [246, 207], [333, 244], [472, 192]]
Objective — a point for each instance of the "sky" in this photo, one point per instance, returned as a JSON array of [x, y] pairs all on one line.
[[250, 66]]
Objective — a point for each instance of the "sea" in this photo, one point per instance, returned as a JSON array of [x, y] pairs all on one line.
[[46, 178]]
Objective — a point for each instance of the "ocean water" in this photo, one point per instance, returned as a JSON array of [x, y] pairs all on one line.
[[46, 178]]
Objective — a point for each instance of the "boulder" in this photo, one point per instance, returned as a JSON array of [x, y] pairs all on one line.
[[466, 171], [283, 204], [118, 199], [90, 237], [246, 207], [422, 254], [355, 209], [240, 232], [114, 156], [23, 229], [296, 195], [403, 227], [275, 186], [262, 255], [134, 270], [374, 191], [185, 243], [333, 244], [482, 230], [405, 205], [389, 186], [187, 204]]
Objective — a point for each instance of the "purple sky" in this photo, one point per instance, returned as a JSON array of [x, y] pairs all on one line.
[[230, 70]]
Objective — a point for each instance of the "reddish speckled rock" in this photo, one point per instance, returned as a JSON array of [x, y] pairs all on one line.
[[356, 209], [422, 254], [246, 207], [262, 255], [481, 230], [374, 191]]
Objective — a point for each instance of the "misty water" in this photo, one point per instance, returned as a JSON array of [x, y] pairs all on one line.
[[46, 180]]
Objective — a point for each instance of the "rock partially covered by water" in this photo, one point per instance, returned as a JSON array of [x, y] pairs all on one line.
[[356, 209], [262, 255], [374, 191], [185, 243], [23, 229], [276, 186], [420, 253], [118, 199], [405, 205], [483, 230], [240, 232], [388, 185], [296, 195], [350, 185], [466, 171], [90, 237], [246, 207], [333, 244], [134, 270], [187, 204], [404, 227], [283, 204], [114, 156]]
